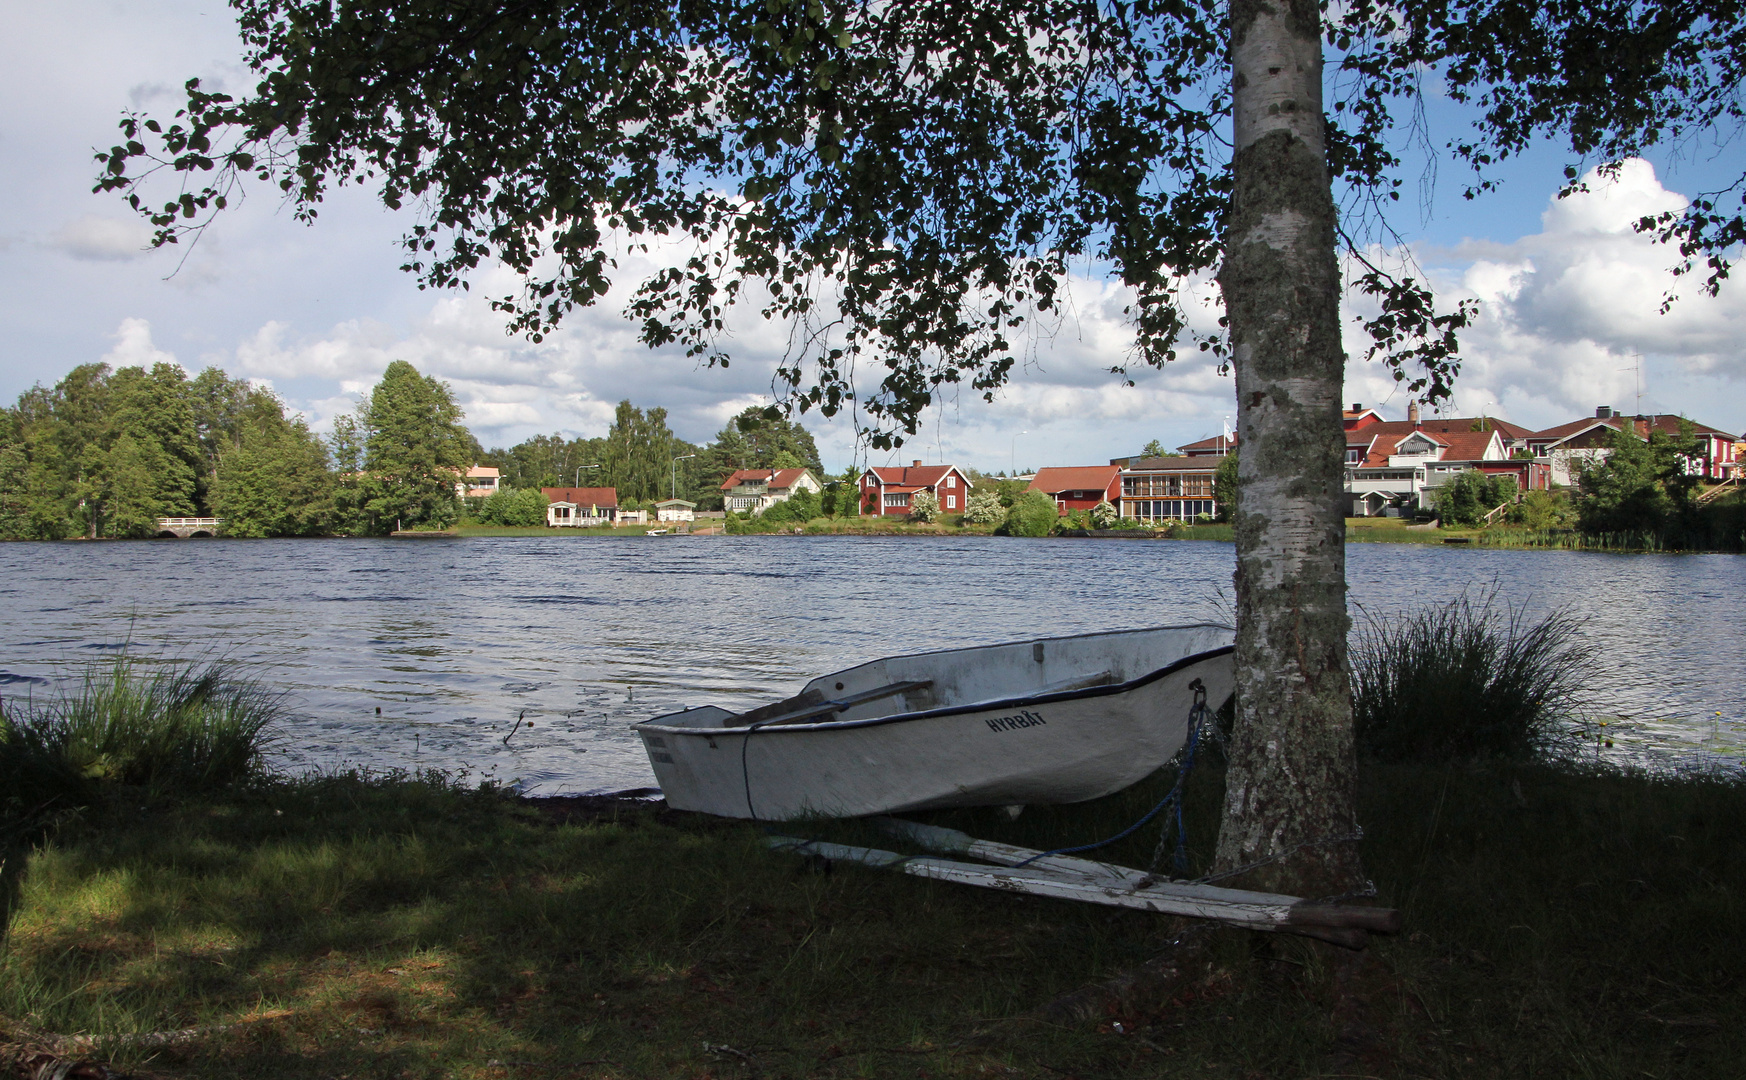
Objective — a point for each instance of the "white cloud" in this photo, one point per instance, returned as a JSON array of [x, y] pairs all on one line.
[[1566, 312], [571, 382], [103, 239], [134, 347]]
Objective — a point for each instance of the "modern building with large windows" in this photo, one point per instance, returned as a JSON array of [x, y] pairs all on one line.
[[1168, 489]]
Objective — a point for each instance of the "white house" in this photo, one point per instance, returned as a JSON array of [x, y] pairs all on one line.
[[757, 490], [570, 507], [675, 510], [1384, 469], [478, 482]]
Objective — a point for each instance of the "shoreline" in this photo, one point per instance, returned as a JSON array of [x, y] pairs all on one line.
[[1358, 531]]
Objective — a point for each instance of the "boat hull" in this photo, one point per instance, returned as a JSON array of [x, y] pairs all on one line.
[[1061, 747]]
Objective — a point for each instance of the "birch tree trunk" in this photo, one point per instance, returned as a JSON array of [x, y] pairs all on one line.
[[1290, 787]]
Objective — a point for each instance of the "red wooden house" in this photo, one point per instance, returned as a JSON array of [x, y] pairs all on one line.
[[1079, 487], [887, 490]]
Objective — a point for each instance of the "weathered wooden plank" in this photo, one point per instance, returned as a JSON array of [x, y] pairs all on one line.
[[1069, 878]]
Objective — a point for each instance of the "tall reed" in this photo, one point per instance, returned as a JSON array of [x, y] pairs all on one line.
[[172, 727], [1472, 678]]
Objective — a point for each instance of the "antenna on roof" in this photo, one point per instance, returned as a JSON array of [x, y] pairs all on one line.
[[1637, 366]]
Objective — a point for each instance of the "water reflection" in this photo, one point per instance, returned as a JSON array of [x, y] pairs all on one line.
[[580, 637]]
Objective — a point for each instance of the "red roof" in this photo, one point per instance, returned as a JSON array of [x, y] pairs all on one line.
[[1467, 445], [1203, 464], [1661, 422], [1381, 445], [1457, 446], [913, 477], [777, 479], [1214, 443], [607, 497], [1074, 478], [1441, 425]]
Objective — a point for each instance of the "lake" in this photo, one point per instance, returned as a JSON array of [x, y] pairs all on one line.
[[454, 640]]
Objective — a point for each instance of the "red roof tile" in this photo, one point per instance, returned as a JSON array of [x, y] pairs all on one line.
[[917, 476], [1075, 478], [607, 497], [1661, 422], [1213, 443], [1442, 425], [1467, 445], [778, 479]]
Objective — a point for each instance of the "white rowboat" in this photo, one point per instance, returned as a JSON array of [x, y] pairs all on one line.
[[1055, 720]]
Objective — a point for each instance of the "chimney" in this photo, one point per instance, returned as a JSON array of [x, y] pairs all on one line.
[[1413, 413], [1357, 406], [1603, 412], [917, 465]]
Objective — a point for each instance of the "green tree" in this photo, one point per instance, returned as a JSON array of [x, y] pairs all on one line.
[[1643, 486], [155, 409], [984, 508], [123, 487], [1544, 511], [414, 448], [1225, 487], [1465, 499], [756, 440], [273, 479], [912, 182], [1033, 514], [519, 507]]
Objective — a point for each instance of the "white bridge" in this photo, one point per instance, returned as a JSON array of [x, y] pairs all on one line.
[[186, 527]]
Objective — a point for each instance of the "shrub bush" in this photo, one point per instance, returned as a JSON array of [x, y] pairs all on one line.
[[924, 506], [1032, 514], [1104, 515], [984, 508], [179, 728], [1466, 499], [520, 507], [1468, 679]]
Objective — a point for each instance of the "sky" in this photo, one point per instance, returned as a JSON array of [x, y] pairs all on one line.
[[1569, 314]]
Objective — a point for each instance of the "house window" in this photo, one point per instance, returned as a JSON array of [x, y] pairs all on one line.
[[951, 501], [951, 481], [897, 500]]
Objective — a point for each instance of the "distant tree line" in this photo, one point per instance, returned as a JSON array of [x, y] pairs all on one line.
[[637, 457], [106, 453]]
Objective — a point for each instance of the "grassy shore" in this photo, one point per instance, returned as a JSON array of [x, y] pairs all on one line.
[[1560, 922]]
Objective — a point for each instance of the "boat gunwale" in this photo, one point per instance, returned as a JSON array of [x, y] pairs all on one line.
[[958, 710]]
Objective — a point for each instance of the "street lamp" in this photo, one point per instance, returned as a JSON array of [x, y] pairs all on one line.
[[579, 469], [1012, 454], [674, 494]]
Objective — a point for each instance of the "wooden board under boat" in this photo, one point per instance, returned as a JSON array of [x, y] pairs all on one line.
[[1051, 720]]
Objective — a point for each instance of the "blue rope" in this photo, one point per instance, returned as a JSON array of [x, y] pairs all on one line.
[[1195, 719]]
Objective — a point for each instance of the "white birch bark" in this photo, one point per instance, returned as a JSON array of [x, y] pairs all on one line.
[[1289, 795]]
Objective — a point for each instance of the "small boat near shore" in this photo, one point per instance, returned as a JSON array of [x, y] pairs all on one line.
[[1050, 720]]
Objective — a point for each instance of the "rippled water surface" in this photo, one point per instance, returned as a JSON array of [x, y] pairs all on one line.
[[453, 640]]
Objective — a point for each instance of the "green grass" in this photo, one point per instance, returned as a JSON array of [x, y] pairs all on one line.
[[161, 727], [1560, 923], [1471, 678]]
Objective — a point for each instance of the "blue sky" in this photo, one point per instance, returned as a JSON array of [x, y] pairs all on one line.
[[1570, 294]]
